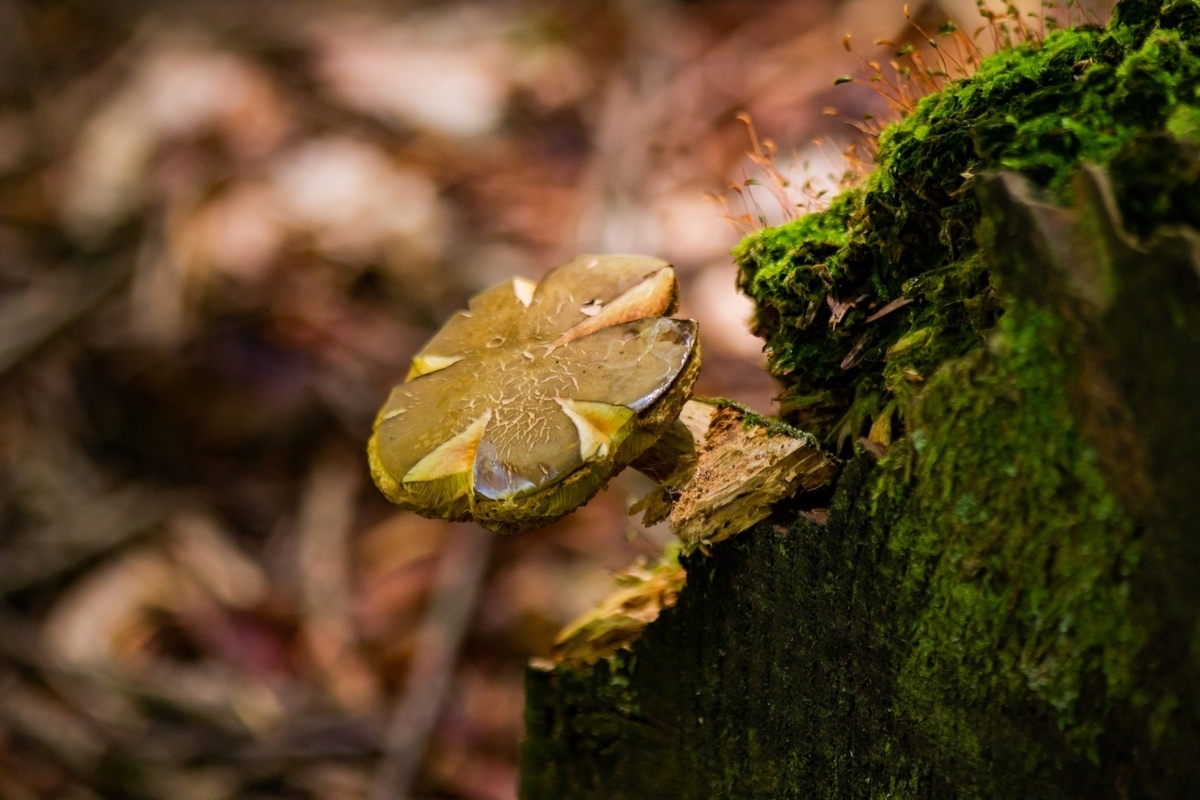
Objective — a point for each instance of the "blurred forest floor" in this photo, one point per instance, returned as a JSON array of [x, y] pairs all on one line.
[[225, 227]]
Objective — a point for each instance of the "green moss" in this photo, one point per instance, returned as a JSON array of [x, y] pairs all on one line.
[[1014, 555], [764, 681], [909, 231], [1134, 19], [752, 419], [1158, 176]]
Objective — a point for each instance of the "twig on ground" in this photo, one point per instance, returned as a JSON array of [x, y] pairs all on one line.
[[95, 526], [451, 605], [51, 304], [326, 519]]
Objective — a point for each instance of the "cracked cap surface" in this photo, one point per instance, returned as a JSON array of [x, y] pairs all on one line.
[[520, 409]]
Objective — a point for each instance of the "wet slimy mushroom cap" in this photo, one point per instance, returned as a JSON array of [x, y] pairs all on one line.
[[520, 409]]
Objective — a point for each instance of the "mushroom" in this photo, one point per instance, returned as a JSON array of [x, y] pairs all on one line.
[[519, 410]]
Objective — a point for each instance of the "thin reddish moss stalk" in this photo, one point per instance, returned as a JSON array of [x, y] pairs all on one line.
[[909, 77]]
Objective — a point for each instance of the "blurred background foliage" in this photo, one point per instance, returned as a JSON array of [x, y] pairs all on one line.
[[225, 227]]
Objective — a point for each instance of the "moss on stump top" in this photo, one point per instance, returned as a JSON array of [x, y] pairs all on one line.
[[909, 231]]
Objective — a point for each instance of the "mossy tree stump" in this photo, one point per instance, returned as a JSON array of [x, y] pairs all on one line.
[[1005, 604]]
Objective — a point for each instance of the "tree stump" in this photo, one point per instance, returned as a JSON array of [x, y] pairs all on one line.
[[1001, 601]]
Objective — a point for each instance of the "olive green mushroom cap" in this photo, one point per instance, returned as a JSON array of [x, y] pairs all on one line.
[[519, 410]]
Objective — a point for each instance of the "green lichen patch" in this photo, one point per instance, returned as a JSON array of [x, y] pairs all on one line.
[[821, 283]]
